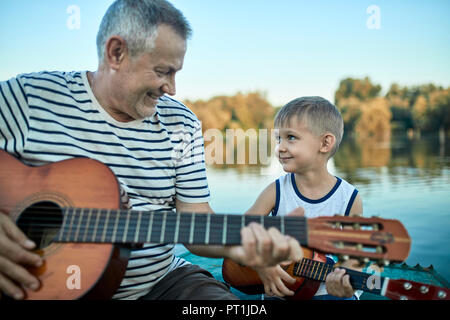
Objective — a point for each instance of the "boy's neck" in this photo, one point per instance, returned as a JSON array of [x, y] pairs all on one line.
[[315, 184]]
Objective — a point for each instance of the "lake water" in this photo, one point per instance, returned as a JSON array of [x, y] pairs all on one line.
[[405, 179]]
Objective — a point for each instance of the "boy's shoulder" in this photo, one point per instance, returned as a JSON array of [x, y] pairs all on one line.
[[345, 183]]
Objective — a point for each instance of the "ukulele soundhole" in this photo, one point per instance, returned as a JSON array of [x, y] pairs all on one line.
[[41, 222]]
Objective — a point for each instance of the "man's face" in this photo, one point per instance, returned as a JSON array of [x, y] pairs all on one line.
[[143, 79]]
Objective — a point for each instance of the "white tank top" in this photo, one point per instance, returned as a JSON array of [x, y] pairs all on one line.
[[338, 201]]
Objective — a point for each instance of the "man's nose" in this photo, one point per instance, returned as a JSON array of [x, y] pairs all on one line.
[[169, 86]]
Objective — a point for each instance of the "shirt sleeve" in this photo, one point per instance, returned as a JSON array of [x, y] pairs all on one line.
[[191, 181], [14, 113]]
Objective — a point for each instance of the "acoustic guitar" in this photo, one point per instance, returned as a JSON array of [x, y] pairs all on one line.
[[71, 209], [313, 270]]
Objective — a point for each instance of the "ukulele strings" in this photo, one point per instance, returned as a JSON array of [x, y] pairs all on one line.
[[318, 270]]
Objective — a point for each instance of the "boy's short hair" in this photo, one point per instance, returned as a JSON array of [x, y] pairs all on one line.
[[320, 115]]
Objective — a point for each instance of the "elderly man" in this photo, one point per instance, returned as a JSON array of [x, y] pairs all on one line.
[[121, 115]]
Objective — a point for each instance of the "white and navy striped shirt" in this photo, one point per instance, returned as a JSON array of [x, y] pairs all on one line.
[[52, 116]]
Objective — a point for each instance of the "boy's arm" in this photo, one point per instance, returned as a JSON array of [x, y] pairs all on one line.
[[265, 202], [337, 282], [357, 207], [273, 277]]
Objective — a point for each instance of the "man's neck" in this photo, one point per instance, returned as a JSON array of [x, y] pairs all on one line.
[[98, 86]]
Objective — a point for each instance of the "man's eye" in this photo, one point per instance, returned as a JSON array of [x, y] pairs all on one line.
[[162, 72]]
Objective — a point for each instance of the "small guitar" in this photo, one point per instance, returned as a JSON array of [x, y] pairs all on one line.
[[71, 210], [313, 270]]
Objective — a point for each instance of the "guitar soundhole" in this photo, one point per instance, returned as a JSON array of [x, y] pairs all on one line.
[[41, 222]]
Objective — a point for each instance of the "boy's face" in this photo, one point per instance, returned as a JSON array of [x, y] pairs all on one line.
[[298, 148]]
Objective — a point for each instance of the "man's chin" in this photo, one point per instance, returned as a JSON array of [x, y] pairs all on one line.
[[146, 112]]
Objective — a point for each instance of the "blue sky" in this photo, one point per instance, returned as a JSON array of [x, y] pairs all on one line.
[[286, 48]]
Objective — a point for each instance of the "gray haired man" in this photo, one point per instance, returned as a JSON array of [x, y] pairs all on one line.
[[122, 115]]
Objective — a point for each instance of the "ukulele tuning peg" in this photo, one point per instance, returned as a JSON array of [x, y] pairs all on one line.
[[383, 262]]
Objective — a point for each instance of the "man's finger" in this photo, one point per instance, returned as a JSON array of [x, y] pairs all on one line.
[[18, 254], [14, 233]]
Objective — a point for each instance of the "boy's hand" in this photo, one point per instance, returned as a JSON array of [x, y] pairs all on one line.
[[273, 278], [338, 284]]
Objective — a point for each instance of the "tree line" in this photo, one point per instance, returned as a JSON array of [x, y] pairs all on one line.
[[367, 113]]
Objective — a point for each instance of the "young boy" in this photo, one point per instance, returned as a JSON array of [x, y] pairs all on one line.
[[308, 132]]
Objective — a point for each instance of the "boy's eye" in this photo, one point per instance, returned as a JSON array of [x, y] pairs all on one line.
[[291, 137]]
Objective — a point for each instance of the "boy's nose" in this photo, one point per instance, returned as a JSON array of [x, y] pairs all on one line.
[[281, 146]]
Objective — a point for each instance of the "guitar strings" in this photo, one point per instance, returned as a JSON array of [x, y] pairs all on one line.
[[184, 229], [307, 267]]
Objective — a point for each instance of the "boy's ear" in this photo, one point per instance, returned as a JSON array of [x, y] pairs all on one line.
[[328, 142]]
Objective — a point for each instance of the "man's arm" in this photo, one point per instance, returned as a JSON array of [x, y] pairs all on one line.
[[259, 247]]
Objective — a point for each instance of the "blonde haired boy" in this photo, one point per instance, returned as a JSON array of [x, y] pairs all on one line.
[[308, 132]]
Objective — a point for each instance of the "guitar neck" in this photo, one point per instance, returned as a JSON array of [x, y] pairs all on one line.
[[123, 226], [317, 270]]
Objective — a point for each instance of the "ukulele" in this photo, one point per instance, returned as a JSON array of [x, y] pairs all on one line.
[[71, 210], [312, 270]]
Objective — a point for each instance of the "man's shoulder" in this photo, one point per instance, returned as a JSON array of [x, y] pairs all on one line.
[[172, 111], [52, 79]]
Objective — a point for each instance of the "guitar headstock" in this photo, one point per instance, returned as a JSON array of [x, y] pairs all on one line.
[[367, 239], [410, 290]]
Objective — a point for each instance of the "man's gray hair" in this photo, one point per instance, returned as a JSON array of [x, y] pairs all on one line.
[[136, 21], [320, 115]]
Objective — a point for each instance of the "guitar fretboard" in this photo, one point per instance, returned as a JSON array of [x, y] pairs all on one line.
[[123, 226], [317, 270]]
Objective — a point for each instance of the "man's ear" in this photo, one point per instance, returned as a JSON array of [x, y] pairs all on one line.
[[328, 142], [115, 52]]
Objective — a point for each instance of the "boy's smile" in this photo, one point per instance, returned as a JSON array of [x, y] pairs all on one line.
[[297, 147]]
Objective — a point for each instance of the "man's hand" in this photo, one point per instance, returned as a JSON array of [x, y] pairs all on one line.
[[264, 248], [14, 253], [259, 247]]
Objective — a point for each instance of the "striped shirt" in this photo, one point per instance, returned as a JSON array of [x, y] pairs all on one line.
[[52, 116]]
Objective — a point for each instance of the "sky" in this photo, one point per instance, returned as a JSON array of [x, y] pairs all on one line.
[[284, 48]]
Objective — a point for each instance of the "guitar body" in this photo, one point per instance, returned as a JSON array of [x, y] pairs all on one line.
[[70, 270], [247, 280]]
